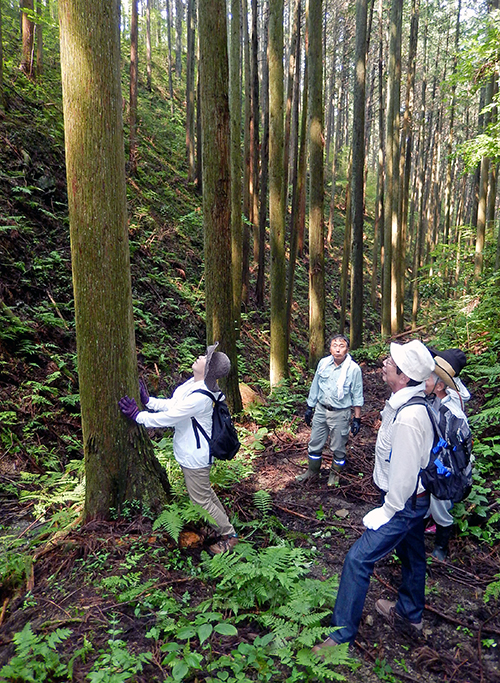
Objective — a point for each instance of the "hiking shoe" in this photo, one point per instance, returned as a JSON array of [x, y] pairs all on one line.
[[387, 609], [225, 545]]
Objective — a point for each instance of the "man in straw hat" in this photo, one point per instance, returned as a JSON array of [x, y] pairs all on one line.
[[445, 384], [191, 454], [403, 446]]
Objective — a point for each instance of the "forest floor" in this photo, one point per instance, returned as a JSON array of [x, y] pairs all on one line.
[[460, 630]]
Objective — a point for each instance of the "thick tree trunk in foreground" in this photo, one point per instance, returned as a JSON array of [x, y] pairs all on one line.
[[216, 140], [119, 461]]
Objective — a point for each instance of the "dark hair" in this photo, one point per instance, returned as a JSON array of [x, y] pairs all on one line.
[[340, 336]]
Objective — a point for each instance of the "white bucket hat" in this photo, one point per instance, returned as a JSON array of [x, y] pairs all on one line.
[[414, 359]]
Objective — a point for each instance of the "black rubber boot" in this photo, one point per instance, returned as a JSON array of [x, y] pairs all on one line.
[[443, 534], [313, 469]]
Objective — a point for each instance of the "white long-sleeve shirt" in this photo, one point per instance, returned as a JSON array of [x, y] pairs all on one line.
[[177, 412], [402, 449]]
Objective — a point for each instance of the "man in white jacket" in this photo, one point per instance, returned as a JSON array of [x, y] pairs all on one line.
[[192, 454], [402, 449]]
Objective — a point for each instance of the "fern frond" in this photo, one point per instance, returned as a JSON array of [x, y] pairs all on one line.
[[263, 502], [171, 521]]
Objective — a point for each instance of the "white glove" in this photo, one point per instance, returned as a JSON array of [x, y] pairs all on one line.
[[376, 518]]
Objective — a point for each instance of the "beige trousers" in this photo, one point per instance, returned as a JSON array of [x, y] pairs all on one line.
[[200, 491]]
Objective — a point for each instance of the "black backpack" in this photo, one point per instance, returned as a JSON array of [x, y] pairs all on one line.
[[224, 443], [448, 476]]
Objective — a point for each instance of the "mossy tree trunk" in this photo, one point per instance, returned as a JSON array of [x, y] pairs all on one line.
[[216, 139], [119, 461]]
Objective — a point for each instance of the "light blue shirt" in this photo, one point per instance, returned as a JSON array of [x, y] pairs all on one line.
[[324, 385]]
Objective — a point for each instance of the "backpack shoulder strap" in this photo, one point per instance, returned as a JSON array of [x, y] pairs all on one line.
[[205, 392]]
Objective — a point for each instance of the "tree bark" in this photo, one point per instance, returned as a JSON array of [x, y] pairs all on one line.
[[358, 167], [148, 45], [169, 43], [28, 33], [391, 193], [119, 461], [190, 93], [264, 163], [214, 83], [278, 357], [179, 16], [134, 75], [316, 192], [235, 110]]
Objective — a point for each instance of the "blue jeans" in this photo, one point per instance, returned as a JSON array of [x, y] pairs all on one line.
[[404, 533]]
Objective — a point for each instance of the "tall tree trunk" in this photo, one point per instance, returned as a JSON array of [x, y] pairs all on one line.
[[264, 162], [316, 230], [448, 190], [39, 39], [391, 193], [378, 235], [483, 193], [190, 97], [292, 67], [278, 356], [346, 251], [179, 16], [294, 229], [406, 157], [148, 45], [214, 80], [235, 109], [169, 43], [28, 33], [254, 144], [358, 166], [119, 461], [134, 75], [247, 143]]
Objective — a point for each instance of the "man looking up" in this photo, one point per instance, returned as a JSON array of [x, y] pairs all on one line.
[[403, 446], [336, 388], [192, 454]]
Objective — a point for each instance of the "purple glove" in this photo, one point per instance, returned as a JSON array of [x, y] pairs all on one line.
[[144, 392], [129, 407]]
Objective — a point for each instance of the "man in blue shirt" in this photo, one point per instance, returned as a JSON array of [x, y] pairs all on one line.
[[337, 387]]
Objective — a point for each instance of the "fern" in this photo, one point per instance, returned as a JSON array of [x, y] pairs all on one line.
[[263, 502], [492, 589], [175, 515]]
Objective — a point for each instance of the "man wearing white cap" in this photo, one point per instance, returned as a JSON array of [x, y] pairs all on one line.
[[192, 454], [402, 449]]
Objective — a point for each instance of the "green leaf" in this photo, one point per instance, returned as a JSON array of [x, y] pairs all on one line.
[[186, 632], [226, 629], [204, 632], [179, 670]]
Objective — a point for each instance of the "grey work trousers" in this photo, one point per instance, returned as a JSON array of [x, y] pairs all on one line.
[[200, 491], [333, 424]]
